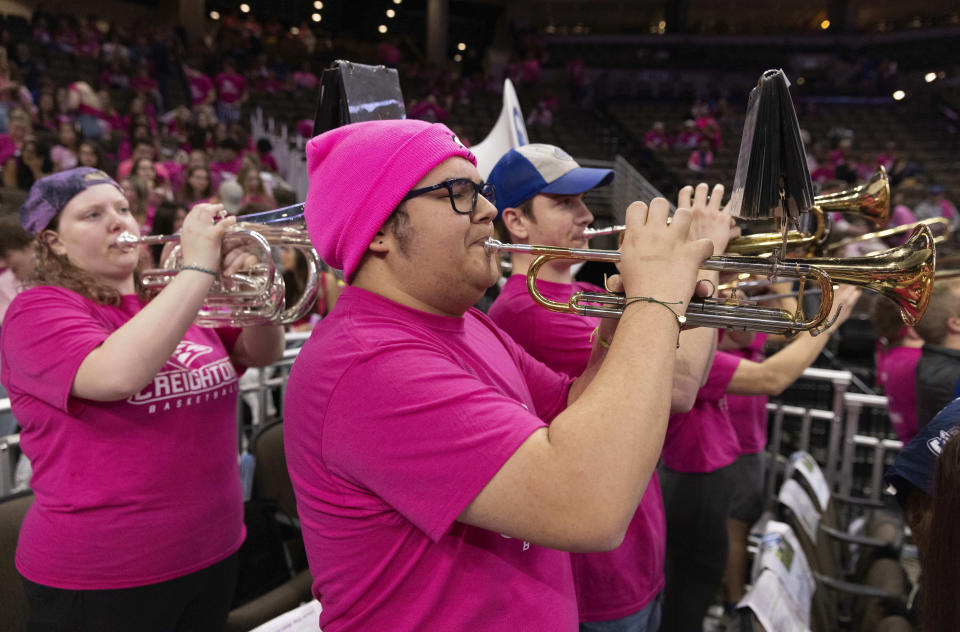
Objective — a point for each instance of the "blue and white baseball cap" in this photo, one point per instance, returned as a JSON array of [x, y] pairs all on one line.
[[525, 171], [914, 464]]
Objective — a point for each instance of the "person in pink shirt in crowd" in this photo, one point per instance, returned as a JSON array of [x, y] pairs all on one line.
[[304, 79], [698, 468], [688, 138], [64, 154], [656, 137], [231, 92], [128, 417], [700, 158], [898, 350], [540, 192], [202, 90], [143, 149], [16, 259], [254, 191], [115, 76], [264, 155], [227, 161], [432, 493], [427, 109], [197, 187], [19, 129]]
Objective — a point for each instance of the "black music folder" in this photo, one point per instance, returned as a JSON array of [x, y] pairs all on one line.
[[772, 179], [351, 93]]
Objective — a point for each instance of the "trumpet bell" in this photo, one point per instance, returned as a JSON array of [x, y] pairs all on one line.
[[870, 200], [903, 274]]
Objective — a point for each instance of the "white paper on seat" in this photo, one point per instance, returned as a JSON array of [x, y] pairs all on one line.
[[808, 467], [799, 502], [780, 553], [769, 601], [302, 619]]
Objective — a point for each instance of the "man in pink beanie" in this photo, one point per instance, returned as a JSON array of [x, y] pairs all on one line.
[[432, 492]]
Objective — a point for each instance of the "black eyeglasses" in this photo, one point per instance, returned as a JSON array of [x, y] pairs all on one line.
[[462, 191]]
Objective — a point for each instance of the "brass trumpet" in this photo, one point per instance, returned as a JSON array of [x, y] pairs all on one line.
[[903, 275], [870, 201], [254, 297], [942, 222]]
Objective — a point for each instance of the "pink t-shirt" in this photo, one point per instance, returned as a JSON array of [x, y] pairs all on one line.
[[748, 413], [703, 440], [230, 87], [895, 373], [613, 584], [200, 87], [396, 419], [130, 492]]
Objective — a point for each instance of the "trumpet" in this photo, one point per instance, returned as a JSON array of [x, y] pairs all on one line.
[[903, 275], [942, 222], [870, 201], [255, 296]]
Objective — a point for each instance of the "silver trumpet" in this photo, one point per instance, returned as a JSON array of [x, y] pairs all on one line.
[[251, 297]]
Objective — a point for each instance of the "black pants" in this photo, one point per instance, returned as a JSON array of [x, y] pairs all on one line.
[[696, 506], [197, 602]]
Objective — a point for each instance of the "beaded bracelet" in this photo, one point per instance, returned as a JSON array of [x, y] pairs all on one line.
[[200, 269]]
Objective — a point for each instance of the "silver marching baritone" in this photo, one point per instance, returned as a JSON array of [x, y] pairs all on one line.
[[251, 297]]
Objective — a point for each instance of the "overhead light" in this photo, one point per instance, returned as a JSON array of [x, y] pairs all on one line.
[[391, 13], [899, 95], [214, 15], [317, 5], [382, 28], [930, 77], [461, 46], [245, 8], [397, 1], [825, 25], [801, 81], [316, 17], [294, 30], [458, 58]]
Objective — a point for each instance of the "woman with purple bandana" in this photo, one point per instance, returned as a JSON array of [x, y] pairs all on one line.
[[127, 412]]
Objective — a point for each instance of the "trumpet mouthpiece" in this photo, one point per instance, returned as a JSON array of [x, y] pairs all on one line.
[[127, 240], [492, 246]]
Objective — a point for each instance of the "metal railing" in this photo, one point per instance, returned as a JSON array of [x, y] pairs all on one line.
[[854, 404]]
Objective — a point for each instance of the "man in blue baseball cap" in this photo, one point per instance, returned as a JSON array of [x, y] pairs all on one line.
[[540, 200]]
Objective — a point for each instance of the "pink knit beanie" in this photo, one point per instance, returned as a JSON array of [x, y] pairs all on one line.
[[359, 173]]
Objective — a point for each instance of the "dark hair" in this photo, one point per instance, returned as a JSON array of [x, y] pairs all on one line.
[[887, 322], [264, 146], [944, 304], [500, 227], [399, 226], [96, 151], [12, 235], [940, 609], [163, 218], [196, 196], [229, 143]]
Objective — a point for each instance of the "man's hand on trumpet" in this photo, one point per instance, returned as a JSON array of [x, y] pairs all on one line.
[[710, 219]]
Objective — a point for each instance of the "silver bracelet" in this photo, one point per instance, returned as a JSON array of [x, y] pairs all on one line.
[[200, 269]]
